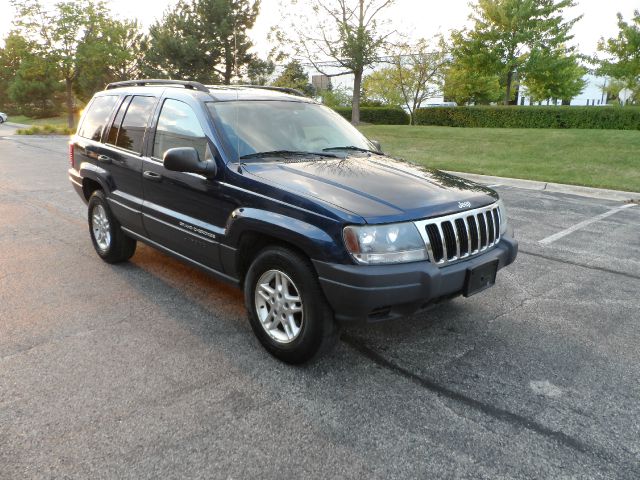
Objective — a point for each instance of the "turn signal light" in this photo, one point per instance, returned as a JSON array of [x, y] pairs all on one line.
[[71, 154]]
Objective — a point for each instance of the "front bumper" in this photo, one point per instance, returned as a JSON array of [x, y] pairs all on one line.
[[381, 292]]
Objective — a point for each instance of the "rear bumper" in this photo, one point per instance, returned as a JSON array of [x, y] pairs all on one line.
[[381, 292], [76, 182]]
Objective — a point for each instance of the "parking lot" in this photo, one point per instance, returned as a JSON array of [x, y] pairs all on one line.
[[150, 369]]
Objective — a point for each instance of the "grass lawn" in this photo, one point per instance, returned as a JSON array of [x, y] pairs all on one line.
[[58, 121], [594, 158]]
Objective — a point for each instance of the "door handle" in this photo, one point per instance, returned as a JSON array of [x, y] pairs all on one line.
[[104, 159], [153, 176]]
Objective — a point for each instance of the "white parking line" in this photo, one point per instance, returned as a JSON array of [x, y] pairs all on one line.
[[578, 226]]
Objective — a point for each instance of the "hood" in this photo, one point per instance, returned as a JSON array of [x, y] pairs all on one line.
[[377, 188]]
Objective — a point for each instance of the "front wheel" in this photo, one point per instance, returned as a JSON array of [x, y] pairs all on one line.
[[107, 237], [287, 309]]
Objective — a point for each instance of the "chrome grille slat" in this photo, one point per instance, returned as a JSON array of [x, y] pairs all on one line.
[[453, 237], [444, 242]]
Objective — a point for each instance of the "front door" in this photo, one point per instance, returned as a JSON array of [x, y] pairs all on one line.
[[180, 210]]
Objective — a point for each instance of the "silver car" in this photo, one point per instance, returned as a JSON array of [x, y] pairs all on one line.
[[3, 117]]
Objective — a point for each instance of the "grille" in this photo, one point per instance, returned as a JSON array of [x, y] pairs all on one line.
[[461, 235]]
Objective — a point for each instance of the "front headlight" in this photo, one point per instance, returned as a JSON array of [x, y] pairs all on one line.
[[394, 243], [503, 217]]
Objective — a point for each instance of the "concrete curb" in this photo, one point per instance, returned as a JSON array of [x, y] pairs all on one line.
[[16, 125], [605, 194]]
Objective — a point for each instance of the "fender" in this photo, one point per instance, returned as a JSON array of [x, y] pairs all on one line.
[[98, 174], [317, 243]]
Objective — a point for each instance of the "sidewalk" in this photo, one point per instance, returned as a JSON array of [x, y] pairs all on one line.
[[615, 195]]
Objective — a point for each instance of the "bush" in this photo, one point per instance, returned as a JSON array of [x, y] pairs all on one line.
[[613, 118], [377, 115], [46, 130]]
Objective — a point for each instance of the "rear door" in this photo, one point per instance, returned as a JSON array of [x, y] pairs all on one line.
[[121, 153], [182, 211]]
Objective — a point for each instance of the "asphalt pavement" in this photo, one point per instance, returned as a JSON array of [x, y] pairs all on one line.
[[150, 370]]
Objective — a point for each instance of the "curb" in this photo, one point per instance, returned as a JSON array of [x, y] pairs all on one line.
[[603, 193], [16, 125]]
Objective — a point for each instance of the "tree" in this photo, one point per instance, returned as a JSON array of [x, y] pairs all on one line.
[[335, 96], [11, 55], [465, 85], [382, 87], [204, 40], [294, 76], [259, 71], [112, 53], [27, 79], [554, 75], [623, 63], [59, 34], [419, 72], [505, 32], [347, 33]]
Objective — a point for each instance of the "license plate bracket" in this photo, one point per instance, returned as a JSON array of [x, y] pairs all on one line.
[[480, 278]]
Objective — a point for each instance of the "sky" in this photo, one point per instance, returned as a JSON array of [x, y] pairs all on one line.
[[422, 18]]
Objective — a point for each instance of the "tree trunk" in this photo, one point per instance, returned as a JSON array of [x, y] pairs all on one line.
[[507, 94], [516, 91], [69, 101], [355, 104]]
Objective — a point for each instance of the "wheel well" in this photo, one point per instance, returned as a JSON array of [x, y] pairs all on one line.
[[251, 244], [89, 186]]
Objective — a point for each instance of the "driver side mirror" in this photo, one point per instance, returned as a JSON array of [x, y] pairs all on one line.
[[376, 144], [186, 159]]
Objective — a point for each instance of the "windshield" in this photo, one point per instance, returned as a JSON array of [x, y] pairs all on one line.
[[254, 127]]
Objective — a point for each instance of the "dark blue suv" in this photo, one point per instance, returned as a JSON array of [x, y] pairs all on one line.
[[279, 195]]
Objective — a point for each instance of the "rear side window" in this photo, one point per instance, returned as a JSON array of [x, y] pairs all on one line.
[[134, 124], [178, 126], [97, 116], [112, 137]]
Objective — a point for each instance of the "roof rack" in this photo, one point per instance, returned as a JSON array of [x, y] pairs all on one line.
[[141, 83], [291, 91]]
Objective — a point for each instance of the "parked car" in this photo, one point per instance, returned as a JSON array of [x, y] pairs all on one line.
[[278, 195], [3, 118]]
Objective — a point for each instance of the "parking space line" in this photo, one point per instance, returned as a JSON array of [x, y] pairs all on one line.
[[578, 226]]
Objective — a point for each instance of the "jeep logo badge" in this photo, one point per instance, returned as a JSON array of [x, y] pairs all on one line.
[[464, 204]]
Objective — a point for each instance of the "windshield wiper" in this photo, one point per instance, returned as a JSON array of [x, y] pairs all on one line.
[[351, 147], [285, 153]]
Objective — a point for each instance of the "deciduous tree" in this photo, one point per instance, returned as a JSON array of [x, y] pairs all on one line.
[[347, 34], [505, 32], [623, 53], [59, 34]]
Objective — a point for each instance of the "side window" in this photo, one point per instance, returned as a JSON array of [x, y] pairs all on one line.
[[112, 137], [178, 126], [134, 124], [97, 116]]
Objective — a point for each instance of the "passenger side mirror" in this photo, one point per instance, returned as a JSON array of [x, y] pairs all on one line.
[[186, 159], [376, 144]]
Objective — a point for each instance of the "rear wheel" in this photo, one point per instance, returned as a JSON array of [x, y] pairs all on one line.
[[107, 237], [287, 309]]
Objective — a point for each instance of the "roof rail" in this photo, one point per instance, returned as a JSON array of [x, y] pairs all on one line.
[[291, 91], [141, 83]]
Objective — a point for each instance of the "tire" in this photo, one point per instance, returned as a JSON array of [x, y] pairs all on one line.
[[108, 239], [316, 331]]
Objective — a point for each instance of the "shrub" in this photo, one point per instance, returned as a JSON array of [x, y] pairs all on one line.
[[377, 115], [46, 130], [613, 118]]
